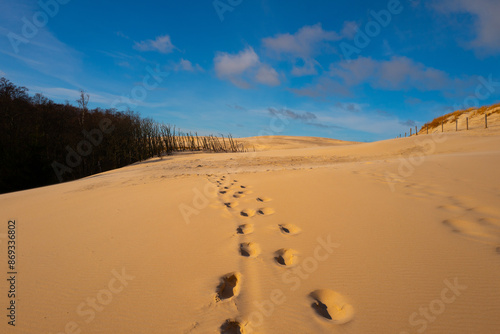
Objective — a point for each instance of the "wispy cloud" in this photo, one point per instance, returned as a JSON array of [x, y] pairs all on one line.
[[72, 95], [161, 44], [351, 107], [410, 123], [365, 120], [104, 99], [124, 64], [307, 117], [236, 107], [48, 55], [121, 34], [117, 54]]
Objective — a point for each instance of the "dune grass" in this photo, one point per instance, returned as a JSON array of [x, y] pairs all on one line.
[[453, 116]]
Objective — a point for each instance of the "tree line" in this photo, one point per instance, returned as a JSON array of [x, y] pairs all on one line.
[[43, 142]]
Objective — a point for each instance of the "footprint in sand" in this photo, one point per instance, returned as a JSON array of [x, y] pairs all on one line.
[[289, 229], [245, 229], [265, 211], [264, 199], [231, 204], [249, 249], [486, 210], [239, 194], [247, 213], [232, 326], [229, 286], [286, 257], [332, 305], [451, 208], [484, 229], [222, 191]]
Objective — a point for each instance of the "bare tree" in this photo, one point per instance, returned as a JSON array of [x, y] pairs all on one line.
[[83, 101]]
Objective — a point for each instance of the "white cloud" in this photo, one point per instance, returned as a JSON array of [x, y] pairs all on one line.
[[304, 43], [267, 75], [162, 44], [398, 73], [308, 68], [349, 30], [323, 86], [486, 24], [186, 65], [227, 65], [301, 47], [244, 66]]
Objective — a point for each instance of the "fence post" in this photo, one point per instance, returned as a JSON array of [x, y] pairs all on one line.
[[467, 119], [456, 125], [410, 132], [416, 132], [427, 129], [485, 120], [405, 134], [442, 129]]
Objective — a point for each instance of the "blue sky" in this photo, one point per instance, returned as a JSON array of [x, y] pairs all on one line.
[[354, 70]]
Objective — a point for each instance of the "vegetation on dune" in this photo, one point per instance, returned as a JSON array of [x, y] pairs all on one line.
[[43, 142], [453, 116]]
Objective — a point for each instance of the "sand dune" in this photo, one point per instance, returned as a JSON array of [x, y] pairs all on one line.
[[303, 236], [265, 143]]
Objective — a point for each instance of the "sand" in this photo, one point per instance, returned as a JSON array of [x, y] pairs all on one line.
[[398, 236]]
